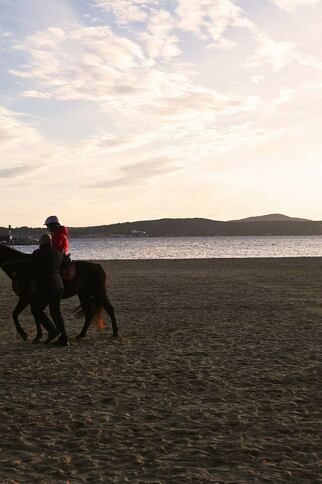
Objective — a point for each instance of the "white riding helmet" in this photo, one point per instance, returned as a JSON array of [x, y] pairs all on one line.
[[51, 220]]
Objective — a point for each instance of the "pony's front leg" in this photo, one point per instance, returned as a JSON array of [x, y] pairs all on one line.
[[38, 336], [21, 305], [86, 307]]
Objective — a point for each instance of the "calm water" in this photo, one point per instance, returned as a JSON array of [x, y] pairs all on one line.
[[192, 247]]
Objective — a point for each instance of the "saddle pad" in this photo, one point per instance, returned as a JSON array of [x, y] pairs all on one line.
[[69, 273]]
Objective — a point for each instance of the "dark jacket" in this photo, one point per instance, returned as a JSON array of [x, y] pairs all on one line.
[[45, 265]]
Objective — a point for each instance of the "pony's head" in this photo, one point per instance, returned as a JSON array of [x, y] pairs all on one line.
[[8, 254], [11, 259]]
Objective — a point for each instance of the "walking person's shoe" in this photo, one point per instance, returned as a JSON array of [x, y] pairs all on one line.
[[52, 337]]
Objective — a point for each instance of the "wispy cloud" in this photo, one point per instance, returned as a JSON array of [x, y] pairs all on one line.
[[279, 54], [94, 64], [23, 150], [158, 38], [290, 5], [15, 171], [210, 18], [137, 173], [127, 11], [84, 63]]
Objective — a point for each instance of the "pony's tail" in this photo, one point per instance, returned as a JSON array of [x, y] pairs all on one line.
[[97, 318]]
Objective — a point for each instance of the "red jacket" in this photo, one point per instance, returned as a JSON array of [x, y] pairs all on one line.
[[60, 240]]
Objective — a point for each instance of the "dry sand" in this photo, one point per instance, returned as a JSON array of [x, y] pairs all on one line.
[[216, 377]]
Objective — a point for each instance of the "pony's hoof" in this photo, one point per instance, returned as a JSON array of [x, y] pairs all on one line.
[[36, 341], [80, 336], [115, 335], [24, 336]]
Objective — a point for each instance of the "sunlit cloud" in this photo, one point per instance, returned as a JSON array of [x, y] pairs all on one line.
[[23, 150], [84, 63], [158, 38], [127, 11], [209, 19], [137, 173], [15, 171], [280, 54], [290, 5], [94, 64], [284, 96]]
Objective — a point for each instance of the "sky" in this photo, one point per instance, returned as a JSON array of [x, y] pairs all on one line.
[[123, 110]]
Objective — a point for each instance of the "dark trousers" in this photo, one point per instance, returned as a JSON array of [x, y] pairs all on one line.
[[39, 302]]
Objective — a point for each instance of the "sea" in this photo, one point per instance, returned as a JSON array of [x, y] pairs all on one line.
[[192, 247]]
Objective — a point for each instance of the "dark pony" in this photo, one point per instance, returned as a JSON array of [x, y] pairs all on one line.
[[89, 285]]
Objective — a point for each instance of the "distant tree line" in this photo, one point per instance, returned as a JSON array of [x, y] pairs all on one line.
[[186, 227]]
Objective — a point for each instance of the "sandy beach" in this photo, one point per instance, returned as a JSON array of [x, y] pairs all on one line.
[[216, 377]]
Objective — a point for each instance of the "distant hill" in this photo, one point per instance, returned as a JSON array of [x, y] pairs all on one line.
[[273, 217], [273, 224], [166, 227]]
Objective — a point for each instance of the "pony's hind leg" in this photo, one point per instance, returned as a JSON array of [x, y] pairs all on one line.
[[110, 311], [21, 305]]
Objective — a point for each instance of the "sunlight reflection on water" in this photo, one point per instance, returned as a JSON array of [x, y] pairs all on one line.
[[192, 247]]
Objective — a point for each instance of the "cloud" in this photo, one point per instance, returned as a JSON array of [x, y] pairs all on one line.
[[94, 64], [277, 53], [203, 100], [206, 19], [15, 171], [13, 130], [290, 5], [84, 63], [36, 94], [159, 42], [284, 96], [137, 173], [255, 79], [209, 19], [23, 150], [127, 11]]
